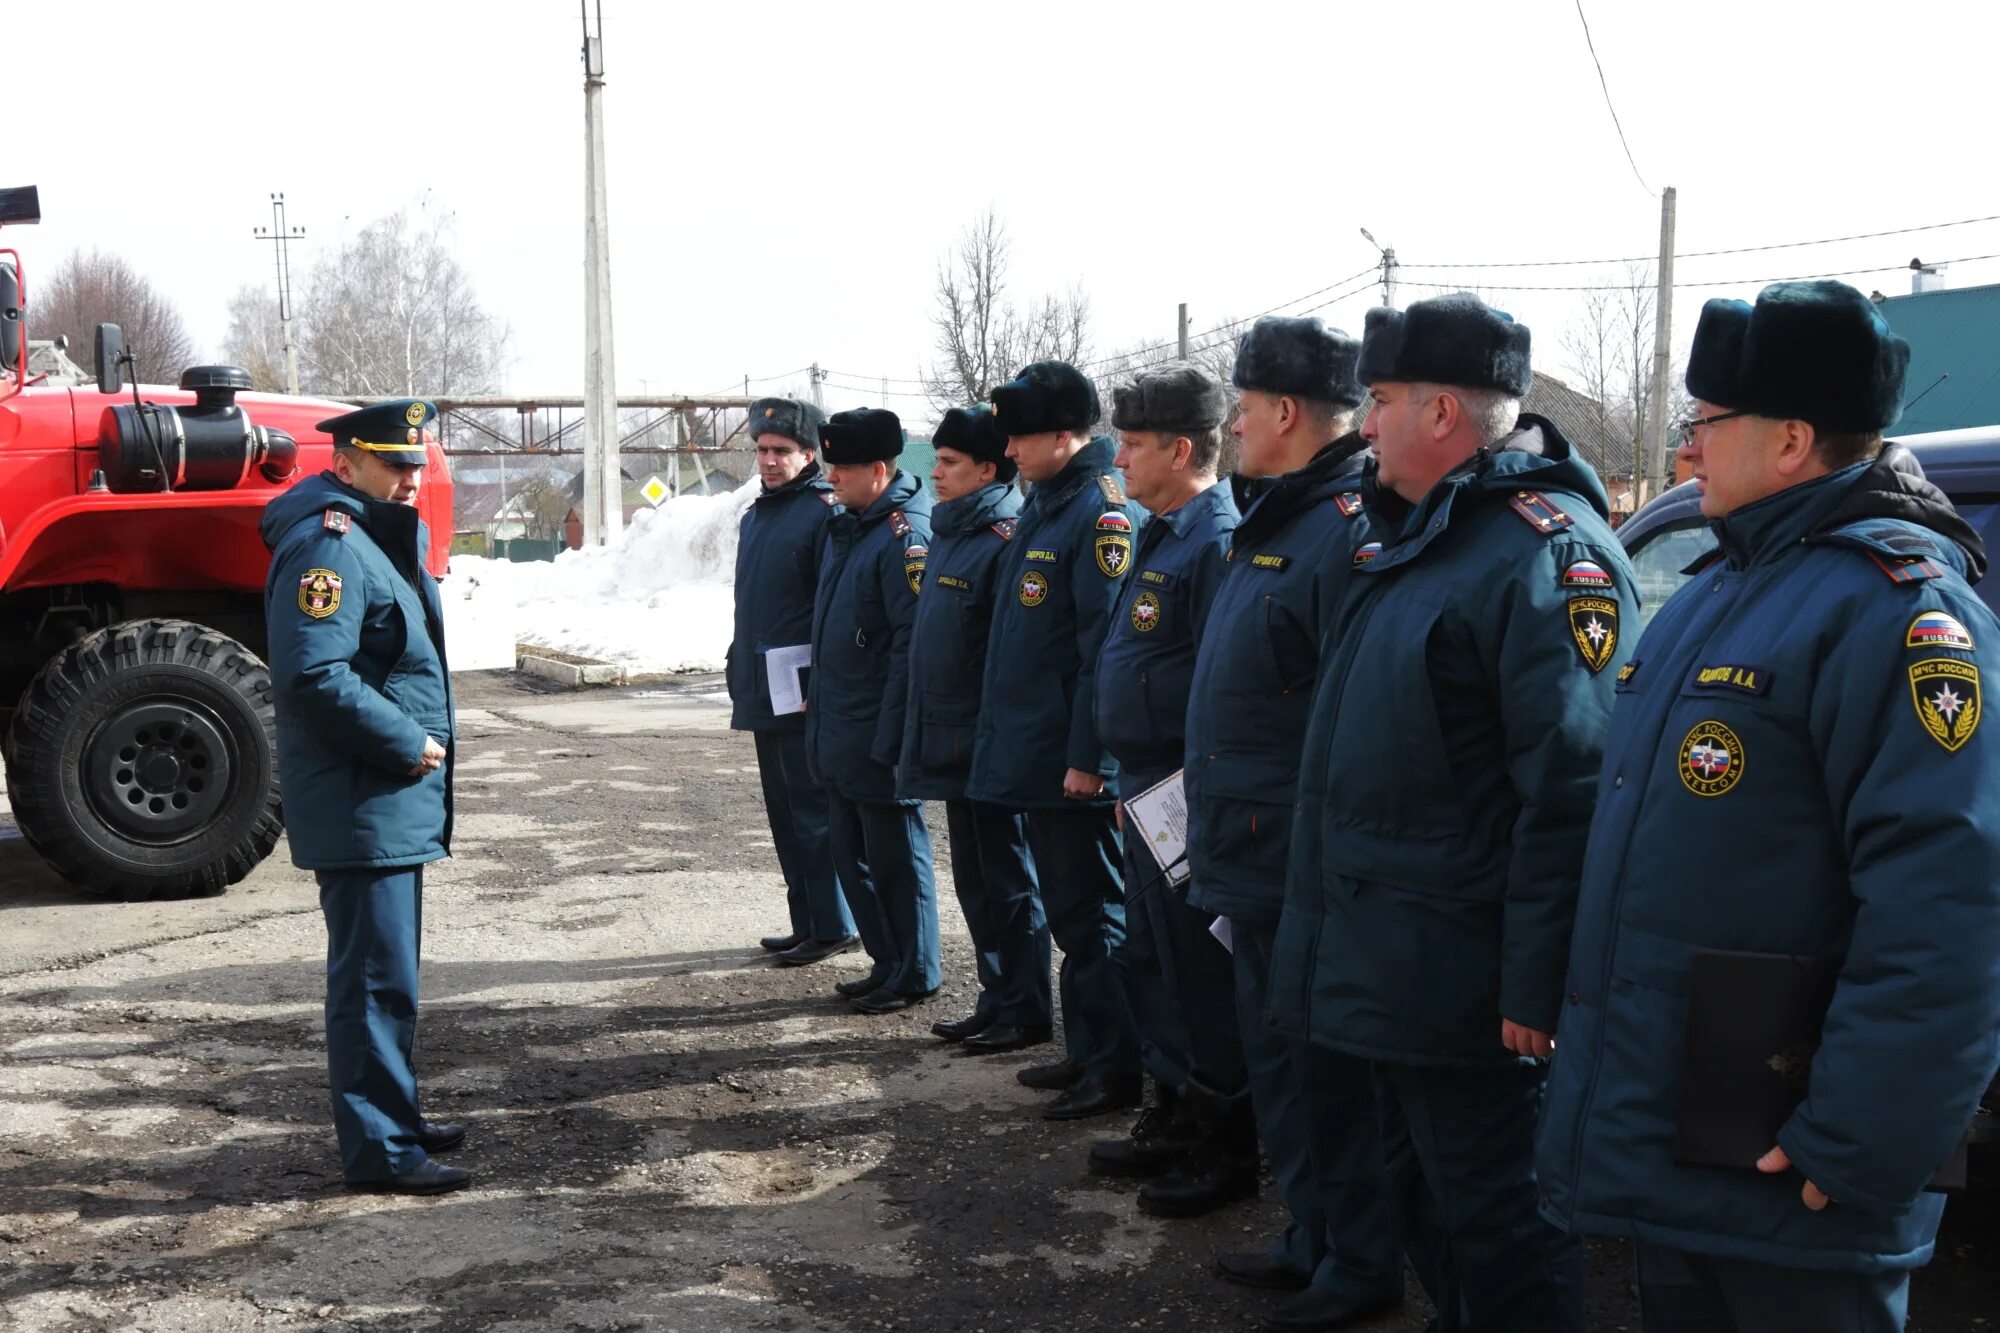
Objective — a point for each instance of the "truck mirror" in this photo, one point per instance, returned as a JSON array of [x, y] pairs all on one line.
[[110, 356], [13, 320]]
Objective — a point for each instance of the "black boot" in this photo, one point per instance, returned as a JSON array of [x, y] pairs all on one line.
[[1163, 1133], [1220, 1170]]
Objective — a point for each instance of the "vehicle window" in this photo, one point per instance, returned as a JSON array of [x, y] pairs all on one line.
[[1657, 564]]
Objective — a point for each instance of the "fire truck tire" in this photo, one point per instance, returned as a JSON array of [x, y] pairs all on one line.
[[142, 762]]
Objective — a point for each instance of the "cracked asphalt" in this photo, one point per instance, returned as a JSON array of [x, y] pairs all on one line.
[[666, 1132]]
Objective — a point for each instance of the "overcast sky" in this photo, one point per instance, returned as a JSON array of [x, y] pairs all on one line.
[[783, 178]]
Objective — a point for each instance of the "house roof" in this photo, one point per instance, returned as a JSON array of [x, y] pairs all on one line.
[[1585, 422], [474, 504], [1953, 332]]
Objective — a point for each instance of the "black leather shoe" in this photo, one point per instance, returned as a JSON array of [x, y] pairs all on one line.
[[780, 943], [958, 1029], [814, 951], [1006, 1037], [1094, 1097], [426, 1178], [855, 987], [1317, 1310], [1158, 1140], [882, 1000], [1208, 1179], [1256, 1268], [440, 1138], [1058, 1077]]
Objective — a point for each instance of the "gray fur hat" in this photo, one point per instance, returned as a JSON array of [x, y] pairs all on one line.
[[1299, 357], [796, 421], [1176, 397], [1455, 340]]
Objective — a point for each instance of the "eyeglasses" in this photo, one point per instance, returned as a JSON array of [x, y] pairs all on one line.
[[1684, 430]]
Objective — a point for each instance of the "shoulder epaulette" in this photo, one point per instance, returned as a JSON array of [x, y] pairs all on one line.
[[337, 520], [1538, 513], [1907, 568], [1005, 527], [1113, 492], [899, 523], [1348, 503]]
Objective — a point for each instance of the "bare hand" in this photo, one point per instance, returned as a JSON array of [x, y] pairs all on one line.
[[1118, 816], [1775, 1161], [1526, 1041], [432, 761], [1081, 786]]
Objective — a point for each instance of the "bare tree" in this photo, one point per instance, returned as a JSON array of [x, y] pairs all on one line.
[[392, 312], [86, 290], [255, 341], [982, 337], [542, 505]]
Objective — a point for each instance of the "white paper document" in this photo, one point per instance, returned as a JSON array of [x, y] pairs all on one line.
[[1223, 934], [1160, 812], [783, 668]]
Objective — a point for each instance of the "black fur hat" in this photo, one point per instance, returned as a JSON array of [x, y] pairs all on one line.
[[1046, 396], [796, 421], [1301, 358], [972, 431], [1174, 398], [1455, 340], [864, 435], [1812, 351]]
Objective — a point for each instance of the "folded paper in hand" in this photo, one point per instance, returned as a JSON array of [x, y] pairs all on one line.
[[785, 669]]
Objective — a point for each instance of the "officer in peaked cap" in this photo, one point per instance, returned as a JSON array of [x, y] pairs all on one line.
[[873, 565], [1037, 746], [778, 550], [991, 869], [1473, 639], [365, 743], [1808, 713]]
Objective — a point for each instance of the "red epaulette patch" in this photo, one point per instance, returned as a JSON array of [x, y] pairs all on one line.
[[1005, 527], [337, 520], [899, 523], [1907, 568], [1538, 513], [1348, 503]]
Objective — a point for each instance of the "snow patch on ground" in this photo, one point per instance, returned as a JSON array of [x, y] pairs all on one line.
[[661, 600]]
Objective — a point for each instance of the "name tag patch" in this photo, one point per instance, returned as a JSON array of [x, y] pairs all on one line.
[[1154, 576], [1269, 561], [1047, 557], [1743, 679], [946, 580]]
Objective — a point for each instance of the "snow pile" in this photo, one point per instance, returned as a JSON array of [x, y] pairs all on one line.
[[661, 600]]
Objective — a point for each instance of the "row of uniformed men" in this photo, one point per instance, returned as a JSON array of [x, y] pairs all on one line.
[[1446, 808]]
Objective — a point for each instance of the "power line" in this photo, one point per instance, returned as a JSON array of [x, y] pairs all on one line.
[[1706, 254], [1156, 347], [1720, 282], [1587, 41]]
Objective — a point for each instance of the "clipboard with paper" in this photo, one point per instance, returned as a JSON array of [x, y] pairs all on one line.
[[1160, 814], [784, 674]]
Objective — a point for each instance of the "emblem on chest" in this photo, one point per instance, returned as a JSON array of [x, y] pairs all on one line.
[[1145, 613], [1711, 759], [1034, 588]]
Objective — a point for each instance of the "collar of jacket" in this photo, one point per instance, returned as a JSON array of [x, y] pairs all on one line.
[[969, 513], [897, 494], [396, 528], [1091, 462], [1762, 530], [1335, 468], [809, 479], [1205, 501]]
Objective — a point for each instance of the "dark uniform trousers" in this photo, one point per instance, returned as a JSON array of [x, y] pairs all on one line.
[[796, 808], [994, 876], [1077, 862], [374, 925], [1681, 1292], [1178, 979], [882, 852]]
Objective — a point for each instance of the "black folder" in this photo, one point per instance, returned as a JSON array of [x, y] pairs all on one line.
[[1753, 1025]]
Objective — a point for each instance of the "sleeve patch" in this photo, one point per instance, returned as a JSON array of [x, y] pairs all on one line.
[[1114, 521], [1114, 554], [1935, 629], [1945, 691], [1586, 574], [1593, 623], [1539, 513], [319, 593]]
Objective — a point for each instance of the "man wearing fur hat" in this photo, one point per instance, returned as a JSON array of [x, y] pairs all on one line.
[[876, 544], [1806, 714], [991, 869], [1198, 1135], [1473, 636], [1036, 748], [777, 574], [1247, 712]]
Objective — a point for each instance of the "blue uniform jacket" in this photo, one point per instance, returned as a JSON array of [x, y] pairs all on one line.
[[1253, 684], [1798, 764], [948, 640], [1450, 759], [867, 601], [358, 675], [777, 575], [1149, 649], [1058, 584]]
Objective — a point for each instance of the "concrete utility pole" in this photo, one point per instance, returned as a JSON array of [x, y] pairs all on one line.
[[818, 378], [283, 236], [1663, 333], [1183, 334], [1388, 267], [603, 495]]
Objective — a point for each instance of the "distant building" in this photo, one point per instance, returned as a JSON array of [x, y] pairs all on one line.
[[1954, 337]]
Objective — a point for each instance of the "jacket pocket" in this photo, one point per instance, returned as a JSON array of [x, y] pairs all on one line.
[[1252, 836]]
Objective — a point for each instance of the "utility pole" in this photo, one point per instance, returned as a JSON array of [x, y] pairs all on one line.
[[1663, 332], [1183, 334], [818, 378], [603, 513], [1388, 253], [283, 236]]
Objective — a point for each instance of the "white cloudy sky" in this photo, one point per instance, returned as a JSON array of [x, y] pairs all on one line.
[[783, 177]]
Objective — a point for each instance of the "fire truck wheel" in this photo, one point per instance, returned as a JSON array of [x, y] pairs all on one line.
[[142, 762]]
